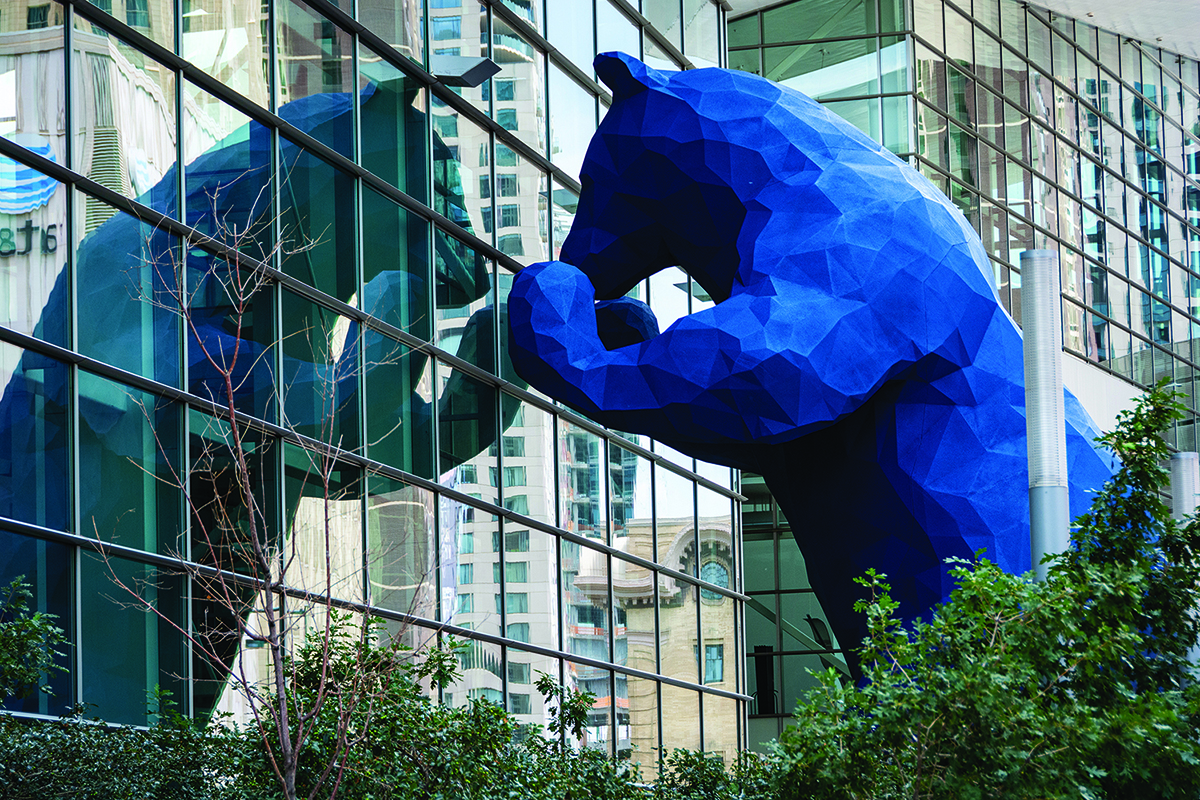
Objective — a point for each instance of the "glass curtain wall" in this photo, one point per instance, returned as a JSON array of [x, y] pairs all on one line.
[[1047, 133], [274, 207]]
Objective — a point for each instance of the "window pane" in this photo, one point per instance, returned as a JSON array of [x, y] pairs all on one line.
[[581, 490], [130, 466], [585, 600], [315, 57], [402, 554], [397, 22], [234, 335], [482, 676], [393, 116], [124, 107], [221, 519], [835, 69], [465, 319], [125, 651], [570, 28], [228, 174], [464, 573], [823, 19], [572, 120], [317, 224], [520, 97], [642, 696], [129, 272], [614, 31], [395, 265], [34, 477], [467, 420], [461, 151], [229, 42], [323, 542], [319, 379], [46, 568], [679, 727], [399, 387], [701, 22], [522, 189], [33, 250]]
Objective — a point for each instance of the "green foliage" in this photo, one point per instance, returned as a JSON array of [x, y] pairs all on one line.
[[84, 759], [401, 744], [1075, 687], [693, 775], [27, 643], [570, 715]]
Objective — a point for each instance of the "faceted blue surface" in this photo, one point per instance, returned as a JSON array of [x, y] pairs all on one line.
[[858, 357]]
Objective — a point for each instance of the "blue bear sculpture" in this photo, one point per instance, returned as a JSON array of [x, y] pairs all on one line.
[[857, 357]]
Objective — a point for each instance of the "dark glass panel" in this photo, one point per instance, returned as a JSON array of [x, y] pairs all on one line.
[[319, 381], [398, 393], [46, 569], [231, 332], [129, 281], [317, 226], [125, 648], [395, 265], [34, 426], [393, 115], [130, 467], [316, 75]]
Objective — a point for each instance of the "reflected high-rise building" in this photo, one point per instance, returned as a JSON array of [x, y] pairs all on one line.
[[144, 144]]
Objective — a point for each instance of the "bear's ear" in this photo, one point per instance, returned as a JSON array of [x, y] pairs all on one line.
[[625, 75]]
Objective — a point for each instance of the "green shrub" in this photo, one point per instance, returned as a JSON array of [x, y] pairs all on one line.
[[1074, 687]]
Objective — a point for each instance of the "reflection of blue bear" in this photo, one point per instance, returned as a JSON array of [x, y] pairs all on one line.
[[857, 356]]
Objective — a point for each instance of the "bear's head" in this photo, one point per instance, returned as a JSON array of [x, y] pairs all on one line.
[[667, 179]]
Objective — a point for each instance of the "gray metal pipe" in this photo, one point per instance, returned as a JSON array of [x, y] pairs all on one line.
[[1185, 484], [1045, 420]]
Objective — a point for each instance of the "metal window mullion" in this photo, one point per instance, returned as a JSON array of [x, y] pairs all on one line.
[[559, 585]]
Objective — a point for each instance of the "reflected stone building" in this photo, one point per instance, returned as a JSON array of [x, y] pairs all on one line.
[[144, 141]]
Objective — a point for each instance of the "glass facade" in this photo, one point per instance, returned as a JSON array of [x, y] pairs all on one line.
[[273, 205], [1047, 133]]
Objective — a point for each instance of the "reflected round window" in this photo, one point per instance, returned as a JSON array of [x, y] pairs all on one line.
[[717, 573]]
